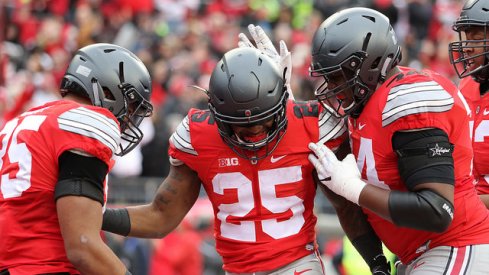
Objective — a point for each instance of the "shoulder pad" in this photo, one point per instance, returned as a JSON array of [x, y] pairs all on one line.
[[415, 98], [181, 138], [89, 123], [330, 127]]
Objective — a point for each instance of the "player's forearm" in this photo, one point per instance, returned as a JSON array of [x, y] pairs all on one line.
[[144, 221], [95, 258], [149, 222], [377, 200], [353, 220], [366, 242], [351, 217], [172, 201]]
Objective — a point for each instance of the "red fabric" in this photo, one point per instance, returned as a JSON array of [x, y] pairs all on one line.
[[459, 261], [31, 241], [158, 94], [59, 7], [372, 145], [231, 8], [177, 254], [137, 6], [28, 28], [20, 104]]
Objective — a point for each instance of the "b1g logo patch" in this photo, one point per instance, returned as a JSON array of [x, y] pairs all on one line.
[[225, 162]]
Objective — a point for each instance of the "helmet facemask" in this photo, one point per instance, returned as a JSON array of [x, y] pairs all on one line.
[[347, 80], [137, 108], [256, 149], [459, 52]]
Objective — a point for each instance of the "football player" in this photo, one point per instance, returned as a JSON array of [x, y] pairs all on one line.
[[470, 57], [54, 161], [249, 152], [411, 165]]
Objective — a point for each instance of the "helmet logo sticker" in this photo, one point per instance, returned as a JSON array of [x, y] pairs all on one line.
[[85, 71], [247, 113]]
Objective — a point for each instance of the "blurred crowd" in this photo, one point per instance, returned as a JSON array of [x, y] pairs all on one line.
[[180, 41]]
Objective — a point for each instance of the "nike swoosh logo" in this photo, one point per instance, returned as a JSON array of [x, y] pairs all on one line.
[[273, 160], [486, 112], [300, 272], [360, 126]]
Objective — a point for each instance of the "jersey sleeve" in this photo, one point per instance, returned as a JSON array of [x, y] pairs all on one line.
[[417, 103], [180, 142], [320, 124], [332, 130], [89, 130]]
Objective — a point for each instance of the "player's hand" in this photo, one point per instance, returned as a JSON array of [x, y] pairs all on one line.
[[380, 266], [342, 177], [380, 271], [265, 45]]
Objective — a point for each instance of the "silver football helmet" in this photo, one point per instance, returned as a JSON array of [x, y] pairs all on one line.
[[116, 79], [246, 88], [354, 49]]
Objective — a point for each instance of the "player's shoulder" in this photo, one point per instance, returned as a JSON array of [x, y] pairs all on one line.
[[413, 92], [470, 89], [302, 109], [89, 121], [315, 117], [200, 117], [198, 121]]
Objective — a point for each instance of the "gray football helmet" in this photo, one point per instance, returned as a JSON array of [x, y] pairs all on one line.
[[354, 48], [245, 89], [475, 13], [116, 79]]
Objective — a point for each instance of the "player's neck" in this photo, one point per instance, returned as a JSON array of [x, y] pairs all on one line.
[[393, 72], [79, 99]]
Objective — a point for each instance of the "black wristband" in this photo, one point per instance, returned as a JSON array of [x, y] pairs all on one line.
[[369, 246], [117, 221]]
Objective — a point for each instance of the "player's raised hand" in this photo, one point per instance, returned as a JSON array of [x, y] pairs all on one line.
[[342, 177], [265, 45]]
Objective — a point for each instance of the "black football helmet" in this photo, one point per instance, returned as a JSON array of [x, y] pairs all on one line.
[[116, 79], [354, 48], [245, 89], [475, 13]]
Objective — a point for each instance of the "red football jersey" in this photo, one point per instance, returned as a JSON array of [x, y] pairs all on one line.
[[415, 100], [479, 123], [263, 212], [31, 241]]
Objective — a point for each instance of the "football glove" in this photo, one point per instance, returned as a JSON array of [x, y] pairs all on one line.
[[380, 266], [342, 177], [265, 45]]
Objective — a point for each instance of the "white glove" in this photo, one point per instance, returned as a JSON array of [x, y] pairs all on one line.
[[264, 44], [345, 177]]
